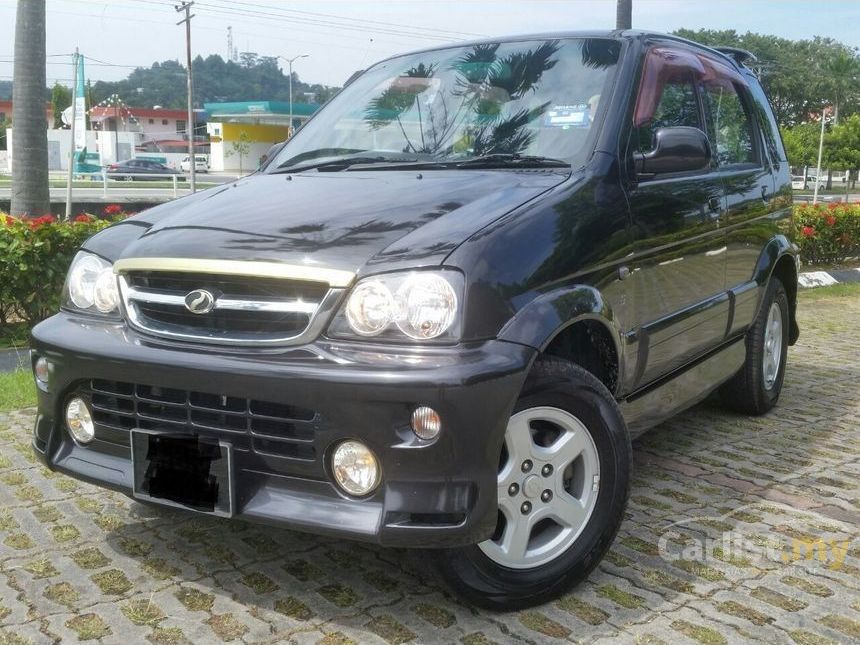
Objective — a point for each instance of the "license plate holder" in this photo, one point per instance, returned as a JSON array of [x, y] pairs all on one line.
[[183, 470]]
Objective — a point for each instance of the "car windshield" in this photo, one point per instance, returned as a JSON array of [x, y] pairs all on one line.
[[535, 99]]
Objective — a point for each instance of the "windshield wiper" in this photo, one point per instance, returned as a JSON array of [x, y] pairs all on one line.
[[339, 164], [511, 160]]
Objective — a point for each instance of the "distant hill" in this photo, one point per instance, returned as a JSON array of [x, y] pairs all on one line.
[[253, 78]]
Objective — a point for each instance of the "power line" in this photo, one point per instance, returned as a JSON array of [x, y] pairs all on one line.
[[368, 21]]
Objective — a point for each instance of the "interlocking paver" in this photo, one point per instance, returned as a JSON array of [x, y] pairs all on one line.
[[737, 529]]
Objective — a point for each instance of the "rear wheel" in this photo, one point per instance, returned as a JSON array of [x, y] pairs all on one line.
[[755, 388], [562, 486]]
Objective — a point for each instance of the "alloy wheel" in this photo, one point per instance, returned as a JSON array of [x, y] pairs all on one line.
[[772, 354], [549, 477]]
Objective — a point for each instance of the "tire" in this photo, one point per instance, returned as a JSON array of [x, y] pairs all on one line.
[[556, 390], [755, 388]]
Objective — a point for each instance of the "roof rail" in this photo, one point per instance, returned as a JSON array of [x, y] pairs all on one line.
[[741, 56]]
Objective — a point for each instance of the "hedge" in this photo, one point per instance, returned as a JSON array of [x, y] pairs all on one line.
[[34, 257], [35, 253], [827, 233]]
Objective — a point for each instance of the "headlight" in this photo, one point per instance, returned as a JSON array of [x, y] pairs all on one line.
[[91, 285], [419, 305]]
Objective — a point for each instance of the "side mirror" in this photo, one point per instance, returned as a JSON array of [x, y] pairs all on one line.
[[677, 149]]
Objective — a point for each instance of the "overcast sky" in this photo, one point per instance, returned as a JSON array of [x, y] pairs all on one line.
[[341, 36]]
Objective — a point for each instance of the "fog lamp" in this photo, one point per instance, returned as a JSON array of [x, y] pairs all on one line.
[[79, 421], [355, 468], [426, 423], [40, 370]]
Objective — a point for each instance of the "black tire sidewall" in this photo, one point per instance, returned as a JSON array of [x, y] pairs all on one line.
[[487, 584]]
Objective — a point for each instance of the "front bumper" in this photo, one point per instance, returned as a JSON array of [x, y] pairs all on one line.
[[433, 494]]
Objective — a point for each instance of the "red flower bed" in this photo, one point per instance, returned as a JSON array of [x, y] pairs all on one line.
[[827, 233]]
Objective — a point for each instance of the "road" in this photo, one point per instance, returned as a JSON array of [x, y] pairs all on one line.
[[78, 561]]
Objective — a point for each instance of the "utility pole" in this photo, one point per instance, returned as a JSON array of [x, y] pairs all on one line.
[[71, 174], [624, 14], [116, 128], [290, 62], [820, 150], [189, 124]]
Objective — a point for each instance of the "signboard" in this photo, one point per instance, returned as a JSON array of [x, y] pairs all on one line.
[[80, 109]]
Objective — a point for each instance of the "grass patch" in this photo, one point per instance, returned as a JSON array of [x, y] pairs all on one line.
[[17, 390], [842, 290], [142, 612], [89, 627]]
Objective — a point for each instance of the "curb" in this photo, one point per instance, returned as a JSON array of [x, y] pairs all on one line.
[[812, 279]]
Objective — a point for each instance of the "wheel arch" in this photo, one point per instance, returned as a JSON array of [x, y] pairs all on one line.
[[779, 258], [575, 323]]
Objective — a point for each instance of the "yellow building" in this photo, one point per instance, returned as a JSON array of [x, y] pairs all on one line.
[[241, 133]]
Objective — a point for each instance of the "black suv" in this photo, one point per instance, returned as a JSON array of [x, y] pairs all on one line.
[[437, 316]]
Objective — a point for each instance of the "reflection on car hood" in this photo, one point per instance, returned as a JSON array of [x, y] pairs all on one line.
[[344, 220]]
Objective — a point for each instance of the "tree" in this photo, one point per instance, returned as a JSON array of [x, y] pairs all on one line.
[[241, 147], [30, 194], [842, 145], [624, 14], [795, 83], [4, 123], [801, 144], [61, 98], [843, 76]]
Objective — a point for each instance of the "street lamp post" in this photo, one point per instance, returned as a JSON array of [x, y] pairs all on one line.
[[290, 62]]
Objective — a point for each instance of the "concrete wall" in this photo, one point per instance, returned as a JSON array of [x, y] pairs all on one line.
[[59, 144]]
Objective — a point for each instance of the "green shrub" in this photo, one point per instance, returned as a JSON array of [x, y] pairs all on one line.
[[34, 257], [827, 232]]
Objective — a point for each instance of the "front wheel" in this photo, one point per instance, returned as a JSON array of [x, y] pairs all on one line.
[[562, 486]]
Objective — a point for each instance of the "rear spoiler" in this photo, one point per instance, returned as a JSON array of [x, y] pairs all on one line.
[[740, 56]]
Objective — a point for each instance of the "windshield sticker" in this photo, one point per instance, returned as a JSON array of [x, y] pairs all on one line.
[[568, 116]]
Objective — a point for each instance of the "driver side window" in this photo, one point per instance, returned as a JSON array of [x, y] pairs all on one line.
[[677, 106]]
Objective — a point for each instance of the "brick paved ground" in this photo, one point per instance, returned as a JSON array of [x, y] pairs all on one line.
[[77, 562]]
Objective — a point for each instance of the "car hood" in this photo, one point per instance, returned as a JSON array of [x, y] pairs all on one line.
[[344, 220]]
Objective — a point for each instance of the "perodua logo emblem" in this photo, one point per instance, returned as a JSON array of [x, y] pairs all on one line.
[[199, 301]]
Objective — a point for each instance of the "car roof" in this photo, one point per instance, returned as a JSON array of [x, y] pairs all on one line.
[[612, 34]]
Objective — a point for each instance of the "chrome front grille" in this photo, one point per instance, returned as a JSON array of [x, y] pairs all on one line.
[[242, 307]]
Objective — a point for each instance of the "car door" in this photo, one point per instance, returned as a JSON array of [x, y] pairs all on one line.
[[747, 177], [676, 284]]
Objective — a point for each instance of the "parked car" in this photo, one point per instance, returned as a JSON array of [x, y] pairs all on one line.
[[798, 182], [201, 164], [131, 169], [440, 313]]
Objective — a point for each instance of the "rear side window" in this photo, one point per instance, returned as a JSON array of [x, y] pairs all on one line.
[[677, 105], [767, 122], [729, 125]]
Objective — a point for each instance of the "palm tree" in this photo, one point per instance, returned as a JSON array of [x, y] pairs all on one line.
[[624, 14], [30, 194], [843, 71]]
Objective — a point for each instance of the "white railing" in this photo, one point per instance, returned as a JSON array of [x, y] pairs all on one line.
[[106, 177]]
